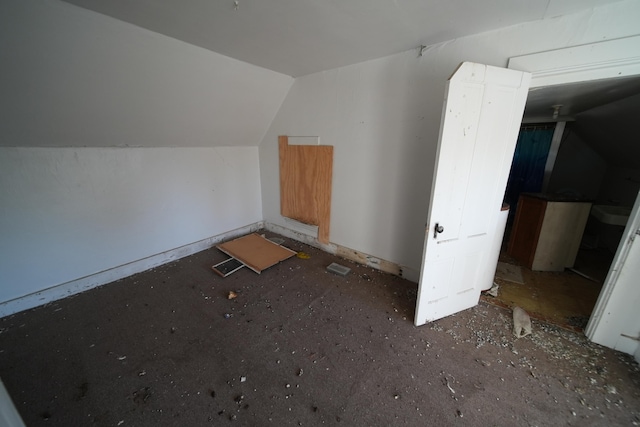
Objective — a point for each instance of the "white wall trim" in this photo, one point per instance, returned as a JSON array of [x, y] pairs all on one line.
[[107, 276], [111, 275], [348, 253], [304, 140], [602, 327], [607, 59]]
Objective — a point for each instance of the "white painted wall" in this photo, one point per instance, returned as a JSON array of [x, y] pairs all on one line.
[[71, 77], [67, 213], [383, 118], [620, 186], [579, 170], [72, 218]]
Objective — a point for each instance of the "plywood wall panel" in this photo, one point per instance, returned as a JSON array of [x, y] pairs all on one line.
[[305, 184]]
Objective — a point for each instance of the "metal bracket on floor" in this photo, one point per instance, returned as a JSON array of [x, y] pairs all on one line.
[[227, 267]]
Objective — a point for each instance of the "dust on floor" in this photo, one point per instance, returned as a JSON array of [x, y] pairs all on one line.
[[298, 345]]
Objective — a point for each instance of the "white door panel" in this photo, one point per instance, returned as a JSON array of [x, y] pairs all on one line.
[[480, 121]]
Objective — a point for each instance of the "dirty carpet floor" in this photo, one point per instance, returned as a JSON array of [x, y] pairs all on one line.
[[298, 346]]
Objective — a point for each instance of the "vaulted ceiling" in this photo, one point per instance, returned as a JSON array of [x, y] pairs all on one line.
[[298, 37]]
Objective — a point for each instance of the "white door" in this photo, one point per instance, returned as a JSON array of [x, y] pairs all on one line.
[[615, 322], [480, 122]]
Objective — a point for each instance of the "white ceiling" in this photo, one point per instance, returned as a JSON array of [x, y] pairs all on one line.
[[299, 37], [609, 129], [577, 98]]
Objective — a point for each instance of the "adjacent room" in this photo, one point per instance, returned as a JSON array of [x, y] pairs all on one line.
[[137, 137], [585, 155]]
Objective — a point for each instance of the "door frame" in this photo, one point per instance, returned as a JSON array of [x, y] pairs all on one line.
[[604, 325], [604, 60], [596, 61]]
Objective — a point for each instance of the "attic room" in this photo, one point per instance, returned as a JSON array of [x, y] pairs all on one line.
[[134, 139]]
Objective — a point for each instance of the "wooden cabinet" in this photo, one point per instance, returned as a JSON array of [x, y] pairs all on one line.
[[547, 231]]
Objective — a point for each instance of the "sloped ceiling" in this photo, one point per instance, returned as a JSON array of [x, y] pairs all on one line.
[[602, 113], [299, 37], [610, 130], [573, 99]]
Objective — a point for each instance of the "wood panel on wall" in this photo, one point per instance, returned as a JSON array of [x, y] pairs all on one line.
[[305, 184]]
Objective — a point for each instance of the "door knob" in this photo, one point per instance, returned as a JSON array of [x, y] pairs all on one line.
[[438, 229]]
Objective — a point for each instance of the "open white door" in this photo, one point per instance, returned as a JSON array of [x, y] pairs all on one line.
[[480, 123]]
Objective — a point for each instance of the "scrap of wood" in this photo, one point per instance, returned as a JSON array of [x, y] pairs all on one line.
[[256, 252], [305, 184], [227, 267]]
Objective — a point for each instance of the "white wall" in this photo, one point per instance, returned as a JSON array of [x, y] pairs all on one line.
[[615, 322], [620, 186], [67, 213], [71, 217], [579, 170], [383, 118], [71, 77]]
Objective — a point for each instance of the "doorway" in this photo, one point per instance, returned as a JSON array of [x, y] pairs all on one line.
[[566, 72], [549, 72], [565, 298]]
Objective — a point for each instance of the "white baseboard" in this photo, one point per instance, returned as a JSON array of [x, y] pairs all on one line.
[[107, 276], [82, 284], [350, 254]]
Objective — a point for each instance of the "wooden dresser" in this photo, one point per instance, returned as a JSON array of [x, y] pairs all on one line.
[[547, 231]]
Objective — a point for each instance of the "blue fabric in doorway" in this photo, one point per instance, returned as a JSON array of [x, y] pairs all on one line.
[[529, 159]]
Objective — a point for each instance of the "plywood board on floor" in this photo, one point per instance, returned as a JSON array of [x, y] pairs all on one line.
[[509, 272], [256, 252]]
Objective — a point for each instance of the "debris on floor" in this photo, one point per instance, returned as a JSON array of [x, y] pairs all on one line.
[[141, 395], [494, 290], [521, 322], [256, 252], [232, 295], [276, 240], [578, 321], [297, 325], [338, 269], [586, 276], [509, 272], [303, 255]]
